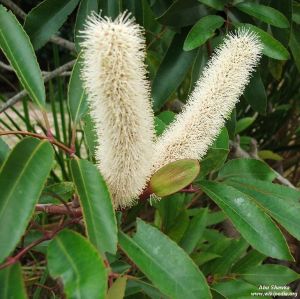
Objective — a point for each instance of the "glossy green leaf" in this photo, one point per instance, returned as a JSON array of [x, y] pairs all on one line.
[[85, 9], [269, 275], [264, 13], [23, 58], [172, 71], [201, 258], [30, 161], [237, 289], [194, 231], [203, 30], [249, 219], [179, 227], [243, 124], [231, 254], [77, 263], [167, 117], [255, 93], [216, 4], [77, 99], [247, 168], [4, 151], [96, 204], [252, 258], [174, 176], [11, 283], [117, 290], [164, 263], [281, 202], [46, 18], [271, 47]]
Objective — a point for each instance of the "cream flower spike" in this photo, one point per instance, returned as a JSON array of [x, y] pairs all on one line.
[[215, 95], [119, 97]]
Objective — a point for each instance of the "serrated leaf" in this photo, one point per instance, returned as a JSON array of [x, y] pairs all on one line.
[[96, 205], [46, 18], [264, 13], [30, 161], [255, 226], [176, 276], [203, 30], [77, 263], [22, 58]]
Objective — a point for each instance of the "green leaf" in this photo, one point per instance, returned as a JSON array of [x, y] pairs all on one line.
[[96, 204], [11, 283], [46, 18], [269, 155], [167, 117], [172, 71], [296, 12], [164, 263], [160, 126], [216, 4], [194, 231], [269, 275], [264, 13], [77, 263], [4, 151], [174, 176], [271, 47], [30, 161], [254, 225], [252, 258], [247, 168], [282, 203], [231, 254], [86, 7], [202, 31], [117, 290], [255, 93], [77, 99], [237, 289], [203, 257], [243, 123], [295, 45], [22, 58], [179, 227]]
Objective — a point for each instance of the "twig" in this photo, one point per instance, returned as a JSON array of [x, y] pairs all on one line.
[[58, 209], [54, 39], [39, 136], [47, 236], [6, 66], [239, 152], [47, 77]]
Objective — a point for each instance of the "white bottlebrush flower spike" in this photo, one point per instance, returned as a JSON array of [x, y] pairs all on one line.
[[114, 76], [215, 95]]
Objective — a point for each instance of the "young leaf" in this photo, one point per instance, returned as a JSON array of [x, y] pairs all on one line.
[[271, 47], [96, 204], [171, 270], [22, 58], [77, 102], [248, 218], [174, 176], [117, 290], [247, 168], [280, 202], [243, 123], [22, 178], [46, 18], [202, 31], [11, 283], [77, 263], [264, 13]]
